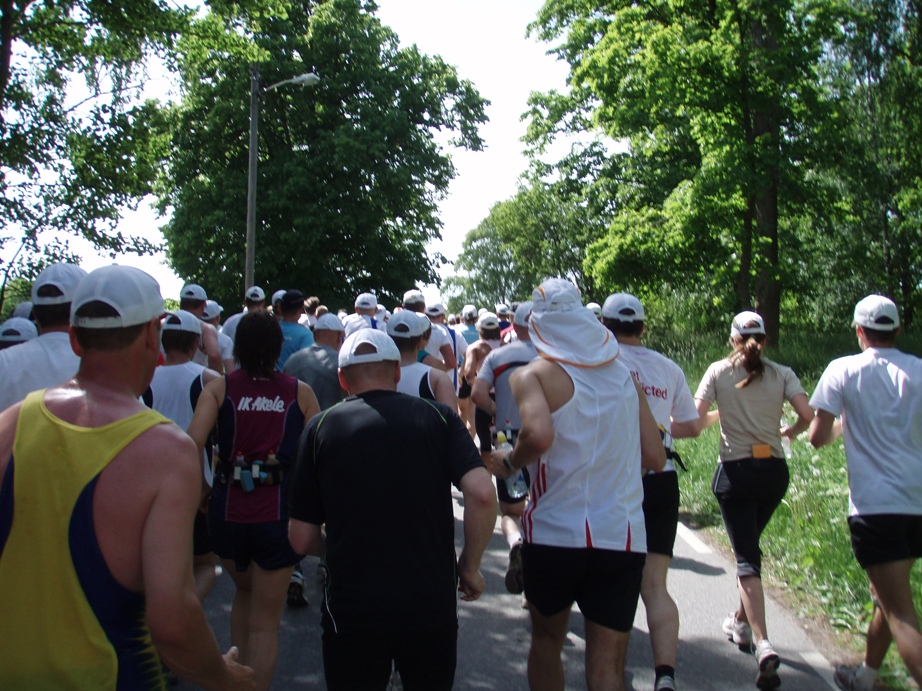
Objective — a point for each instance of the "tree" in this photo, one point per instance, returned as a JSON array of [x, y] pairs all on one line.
[[76, 146], [350, 171], [719, 101]]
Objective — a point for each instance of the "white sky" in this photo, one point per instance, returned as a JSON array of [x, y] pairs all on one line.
[[485, 40]]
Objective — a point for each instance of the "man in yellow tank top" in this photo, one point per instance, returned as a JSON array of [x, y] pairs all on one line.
[[97, 494]]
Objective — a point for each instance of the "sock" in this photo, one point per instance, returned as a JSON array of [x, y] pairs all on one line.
[[662, 671], [514, 538]]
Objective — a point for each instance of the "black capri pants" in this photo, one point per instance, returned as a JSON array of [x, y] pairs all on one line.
[[748, 492]]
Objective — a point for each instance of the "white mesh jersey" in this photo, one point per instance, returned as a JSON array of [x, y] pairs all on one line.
[[586, 490]]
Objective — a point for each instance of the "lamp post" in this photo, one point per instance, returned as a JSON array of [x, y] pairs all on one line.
[[308, 79]]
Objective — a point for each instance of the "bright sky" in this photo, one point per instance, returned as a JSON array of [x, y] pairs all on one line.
[[485, 40]]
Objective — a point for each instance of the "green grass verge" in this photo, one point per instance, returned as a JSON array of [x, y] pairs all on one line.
[[807, 550]]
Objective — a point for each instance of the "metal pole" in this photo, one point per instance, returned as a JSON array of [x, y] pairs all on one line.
[[251, 179]]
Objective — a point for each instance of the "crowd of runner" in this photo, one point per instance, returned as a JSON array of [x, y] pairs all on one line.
[[138, 448]]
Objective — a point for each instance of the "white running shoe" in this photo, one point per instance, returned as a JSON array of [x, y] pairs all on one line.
[[738, 631], [768, 666]]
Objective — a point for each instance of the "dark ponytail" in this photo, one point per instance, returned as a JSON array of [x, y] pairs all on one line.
[[748, 354]]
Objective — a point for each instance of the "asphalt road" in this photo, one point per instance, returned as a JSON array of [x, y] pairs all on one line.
[[494, 632]]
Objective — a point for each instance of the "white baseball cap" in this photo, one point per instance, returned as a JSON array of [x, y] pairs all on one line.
[[556, 295], [488, 320], [877, 312], [255, 294], [469, 312], [595, 308], [355, 322], [522, 313], [413, 297], [17, 330], [23, 309], [193, 291], [366, 301], [212, 310], [623, 307], [180, 320], [278, 295], [406, 324], [65, 277], [383, 345], [132, 293], [436, 309], [738, 326], [502, 309], [328, 322]]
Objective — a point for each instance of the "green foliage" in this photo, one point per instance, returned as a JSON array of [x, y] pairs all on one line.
[[75, 144], [350, 170]]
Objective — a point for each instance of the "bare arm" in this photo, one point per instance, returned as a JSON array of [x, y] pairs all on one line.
[[480, 395], [801, 405], [229, 365], [206, 412], [443, 389], [211, 347], [176, 619], [307, 401], [652, 451], [687, 429], [448, 356], [708, 416], [433, 362], [824, 429], [479, 520], [306, 538]]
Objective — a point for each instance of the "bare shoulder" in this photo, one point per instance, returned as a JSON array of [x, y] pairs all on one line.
[[209, 375], [165, 446]]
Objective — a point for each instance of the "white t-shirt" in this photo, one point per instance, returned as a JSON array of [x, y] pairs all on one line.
[[36, 364], [226, 346], [878, 394], [663, 382]]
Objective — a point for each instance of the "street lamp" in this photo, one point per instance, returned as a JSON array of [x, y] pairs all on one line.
[[308, 79]]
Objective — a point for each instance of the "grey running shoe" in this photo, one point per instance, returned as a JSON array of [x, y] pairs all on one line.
[[738, 631], [296, 590], [846, 677], [515, 583], [768, 666], [665, 683]]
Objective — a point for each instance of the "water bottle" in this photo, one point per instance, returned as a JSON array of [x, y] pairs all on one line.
[[516, 486], [785, 441]]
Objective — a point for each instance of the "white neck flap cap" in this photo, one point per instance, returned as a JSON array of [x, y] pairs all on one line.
[[564, 330]]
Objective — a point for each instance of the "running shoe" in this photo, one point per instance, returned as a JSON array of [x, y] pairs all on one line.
[[296, 590], [738, 631], [846, 677], [768, 666], [515, 583], [665, 683]]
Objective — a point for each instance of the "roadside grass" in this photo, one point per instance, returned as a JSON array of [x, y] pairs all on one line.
[[807, 548]]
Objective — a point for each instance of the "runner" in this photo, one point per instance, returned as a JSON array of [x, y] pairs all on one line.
[[212, 315], [48, 359], [316, 365], [192, 298], [673, 408], [259, 414], [586, 432], [296, 336], [494, 373], [488, 328], [752, 477], [877, 395], [440, 347], [96, 566], [254, 299], [173, 392], [391, 595], [416, 379]]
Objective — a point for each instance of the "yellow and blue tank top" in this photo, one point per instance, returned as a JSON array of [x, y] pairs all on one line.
[[65, 622]]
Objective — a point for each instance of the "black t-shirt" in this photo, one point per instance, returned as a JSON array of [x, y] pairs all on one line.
[[377, 469]]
